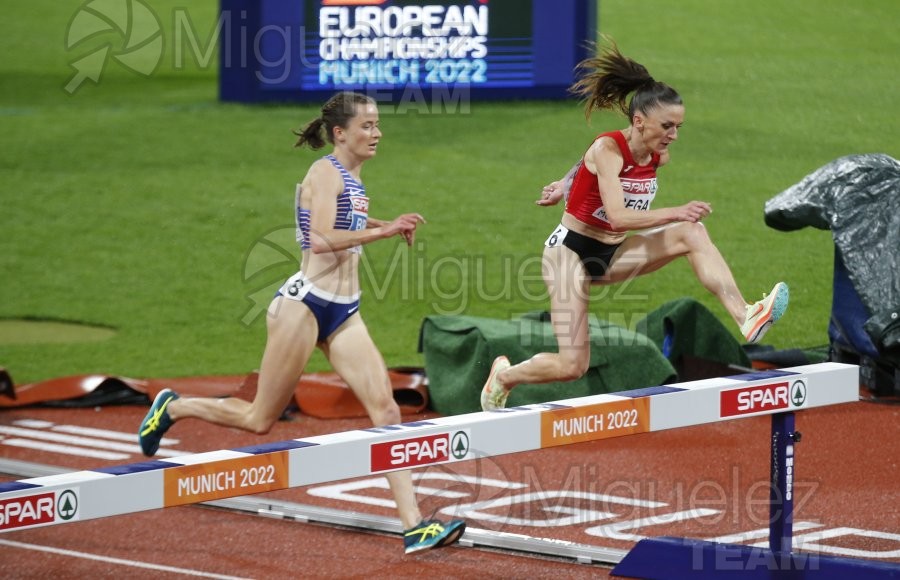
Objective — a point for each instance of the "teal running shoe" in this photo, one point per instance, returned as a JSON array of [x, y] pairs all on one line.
[[432, 534], [156, 423]]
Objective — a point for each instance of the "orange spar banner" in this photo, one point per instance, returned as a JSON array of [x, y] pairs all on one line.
[[593, 422], [188, 484]]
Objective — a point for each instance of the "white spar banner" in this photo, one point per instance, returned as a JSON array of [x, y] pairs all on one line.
[[267, 467]]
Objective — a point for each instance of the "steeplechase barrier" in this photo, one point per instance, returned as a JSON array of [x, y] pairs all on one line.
[[216, 475]]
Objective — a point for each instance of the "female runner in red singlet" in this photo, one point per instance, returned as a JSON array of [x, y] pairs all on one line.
[[609, 233]]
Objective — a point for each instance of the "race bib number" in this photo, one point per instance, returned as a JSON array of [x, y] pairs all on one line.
[[557, 237], [359, 212], [600, 214]]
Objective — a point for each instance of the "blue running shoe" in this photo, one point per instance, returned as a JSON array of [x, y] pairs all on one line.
[[156, 423], [763, 314], [432, 534]]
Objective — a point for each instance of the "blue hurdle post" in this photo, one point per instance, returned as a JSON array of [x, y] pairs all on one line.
[[781, 496], [665, 558]]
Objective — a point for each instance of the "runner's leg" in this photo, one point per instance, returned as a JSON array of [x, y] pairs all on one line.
[[354, 356], [292, 332], [569, 289], [647, 251]]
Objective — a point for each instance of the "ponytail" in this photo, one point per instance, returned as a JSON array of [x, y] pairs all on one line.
[[608, 78], [337, 112], [312, 134]]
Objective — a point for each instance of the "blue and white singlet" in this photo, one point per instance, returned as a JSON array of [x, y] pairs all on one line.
[[352, 208]]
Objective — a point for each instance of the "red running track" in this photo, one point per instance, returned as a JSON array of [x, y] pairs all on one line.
[[708, 481]]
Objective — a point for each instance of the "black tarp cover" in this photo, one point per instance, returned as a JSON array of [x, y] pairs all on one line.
[[858, 198]]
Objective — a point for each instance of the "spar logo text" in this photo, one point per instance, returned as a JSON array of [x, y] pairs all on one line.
[[31, 510], [760, 398], [418, 451]]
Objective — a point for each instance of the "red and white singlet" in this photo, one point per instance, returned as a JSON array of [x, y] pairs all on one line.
[[638, 185]]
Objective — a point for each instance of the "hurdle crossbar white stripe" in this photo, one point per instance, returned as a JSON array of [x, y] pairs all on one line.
[[190, 479]]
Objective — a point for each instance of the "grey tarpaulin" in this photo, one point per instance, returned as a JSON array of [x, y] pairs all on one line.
[[858, 198]]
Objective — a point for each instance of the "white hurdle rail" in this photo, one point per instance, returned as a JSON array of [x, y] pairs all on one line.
[[190, 479]]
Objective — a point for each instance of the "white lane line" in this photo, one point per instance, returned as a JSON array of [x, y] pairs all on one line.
[[90, 431], [64, 449], [106, 434], [109, 560], [83, 441], [33, 423]]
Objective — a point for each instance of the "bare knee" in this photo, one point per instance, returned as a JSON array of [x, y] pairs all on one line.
[[383, 410], [694, 235]]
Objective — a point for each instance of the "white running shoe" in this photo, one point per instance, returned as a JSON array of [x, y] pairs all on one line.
[[493, 395], [763, 314]]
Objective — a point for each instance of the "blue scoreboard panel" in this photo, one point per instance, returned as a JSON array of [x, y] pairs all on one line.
[[305, 50]]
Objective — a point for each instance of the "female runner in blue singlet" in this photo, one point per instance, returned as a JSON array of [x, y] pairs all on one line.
[[319, 306]]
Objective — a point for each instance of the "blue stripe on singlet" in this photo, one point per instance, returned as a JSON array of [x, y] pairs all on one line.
[[344, 219]]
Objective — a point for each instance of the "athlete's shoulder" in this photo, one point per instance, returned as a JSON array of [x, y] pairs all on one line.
[[605, 152], [607, 143], [323, 175], [323, 164]]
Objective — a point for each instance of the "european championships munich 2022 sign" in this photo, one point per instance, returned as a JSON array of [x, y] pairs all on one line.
[[305, 50]]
